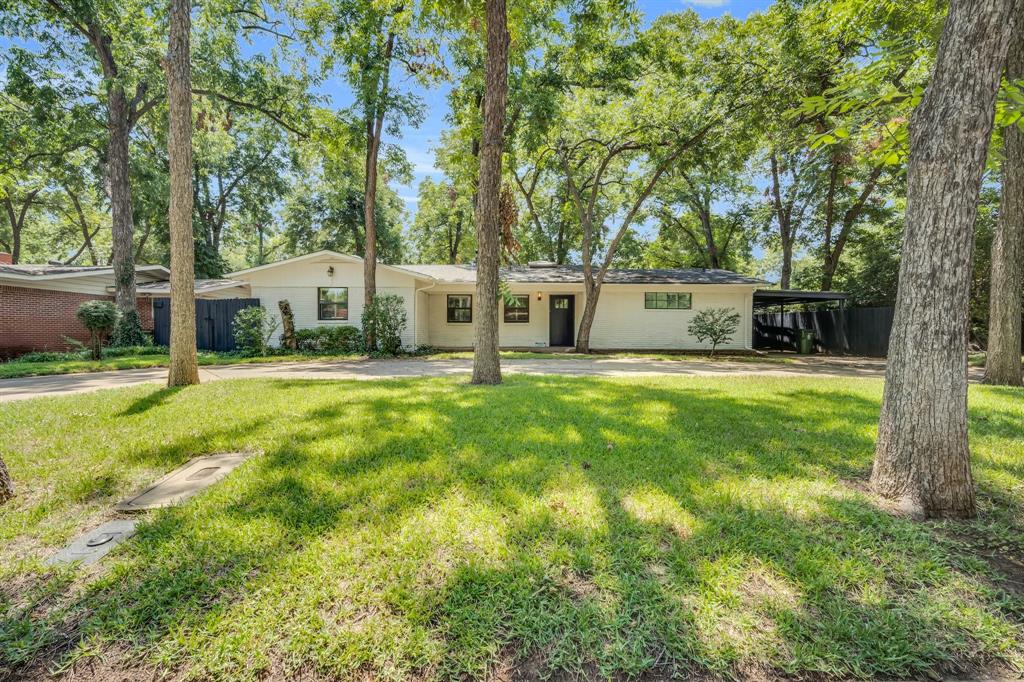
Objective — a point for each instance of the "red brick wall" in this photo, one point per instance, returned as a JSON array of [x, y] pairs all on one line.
[[39, 319]]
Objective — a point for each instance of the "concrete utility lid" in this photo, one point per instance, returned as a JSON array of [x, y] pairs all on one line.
[[184, 482], [93, 545]]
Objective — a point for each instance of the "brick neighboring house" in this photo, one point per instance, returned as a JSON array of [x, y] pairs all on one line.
[[38, 302]]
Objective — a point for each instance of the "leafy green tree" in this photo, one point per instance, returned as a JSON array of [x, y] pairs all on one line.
[[366, 40], [100, 318], [443, 231], [715, 325], [620, 138], [120, 37], [324, 207]]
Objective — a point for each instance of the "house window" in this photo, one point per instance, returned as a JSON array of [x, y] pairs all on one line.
[[517, 308], [332, 303], [664, 300], [460, 308]]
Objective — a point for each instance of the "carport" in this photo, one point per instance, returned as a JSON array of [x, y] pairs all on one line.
[[775, 328]]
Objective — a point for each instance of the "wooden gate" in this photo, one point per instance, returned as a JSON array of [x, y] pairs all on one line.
[[214, 318]]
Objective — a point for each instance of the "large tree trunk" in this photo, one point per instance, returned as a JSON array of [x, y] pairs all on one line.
[[922, 458], [374, 130], [707, 227], [486, 362], [783, 214], [786, 273], [6, 485], [184, 368], [121, 198], [592, 291], [1003, 362]]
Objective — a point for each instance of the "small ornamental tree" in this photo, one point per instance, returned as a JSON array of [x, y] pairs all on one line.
[[99, 317], [383, 323], [253, 328], [716, 325]]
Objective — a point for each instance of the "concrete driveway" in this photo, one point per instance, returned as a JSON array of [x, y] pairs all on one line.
[[34, 387]]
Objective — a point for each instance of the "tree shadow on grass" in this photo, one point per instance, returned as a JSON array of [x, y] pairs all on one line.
[[549, 525], [151, 400]]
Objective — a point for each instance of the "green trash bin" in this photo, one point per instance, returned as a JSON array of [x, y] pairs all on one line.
[[806, 341]]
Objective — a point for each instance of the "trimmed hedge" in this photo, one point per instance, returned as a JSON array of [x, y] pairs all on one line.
[[329, 340]]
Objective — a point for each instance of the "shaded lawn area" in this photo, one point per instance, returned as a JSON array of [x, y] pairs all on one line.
[[552, 526]]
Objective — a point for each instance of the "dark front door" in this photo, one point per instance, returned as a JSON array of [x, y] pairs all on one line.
[[562, 318]]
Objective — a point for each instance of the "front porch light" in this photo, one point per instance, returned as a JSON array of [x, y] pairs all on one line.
[[538, 295]]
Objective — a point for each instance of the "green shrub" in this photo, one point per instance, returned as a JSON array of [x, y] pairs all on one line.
[[384, 320], [716, 325], [329, 340], [253, 328], [99, 317], [128, 331]]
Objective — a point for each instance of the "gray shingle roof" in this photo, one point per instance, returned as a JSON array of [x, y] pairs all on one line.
[[39, 270], [47, 270], [573, 274], [201, 286]]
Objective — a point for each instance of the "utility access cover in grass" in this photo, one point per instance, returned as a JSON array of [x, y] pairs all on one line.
[[184, 482], [93, 545]]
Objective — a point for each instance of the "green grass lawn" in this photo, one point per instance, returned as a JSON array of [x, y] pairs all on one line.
[[549, 526], [15, 369]]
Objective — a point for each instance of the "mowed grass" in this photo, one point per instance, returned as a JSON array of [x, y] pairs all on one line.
[[551, 526], [14, 369]]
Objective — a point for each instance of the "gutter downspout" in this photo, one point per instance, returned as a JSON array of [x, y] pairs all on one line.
[[415, 304]]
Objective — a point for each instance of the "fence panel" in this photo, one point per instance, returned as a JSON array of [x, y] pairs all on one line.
[[214, 319], [857, 331]]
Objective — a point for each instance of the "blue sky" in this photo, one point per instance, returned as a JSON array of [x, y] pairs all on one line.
[[418, 143]]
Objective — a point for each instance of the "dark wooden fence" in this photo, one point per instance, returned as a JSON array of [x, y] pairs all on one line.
[[855, 331], [213, 321]]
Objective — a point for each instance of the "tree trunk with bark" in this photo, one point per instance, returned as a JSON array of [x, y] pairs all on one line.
[[784, 217], [922, 458], [486, 363], [6, 484], [288, 339], [17, 220], [1003, 361], [184, 369], [834, 251], [374, 130], [120, 199]]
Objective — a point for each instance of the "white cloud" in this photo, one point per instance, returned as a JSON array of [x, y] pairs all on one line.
[[706, 3]]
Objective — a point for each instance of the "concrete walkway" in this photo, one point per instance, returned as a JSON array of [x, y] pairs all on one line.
[[34, 387]]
